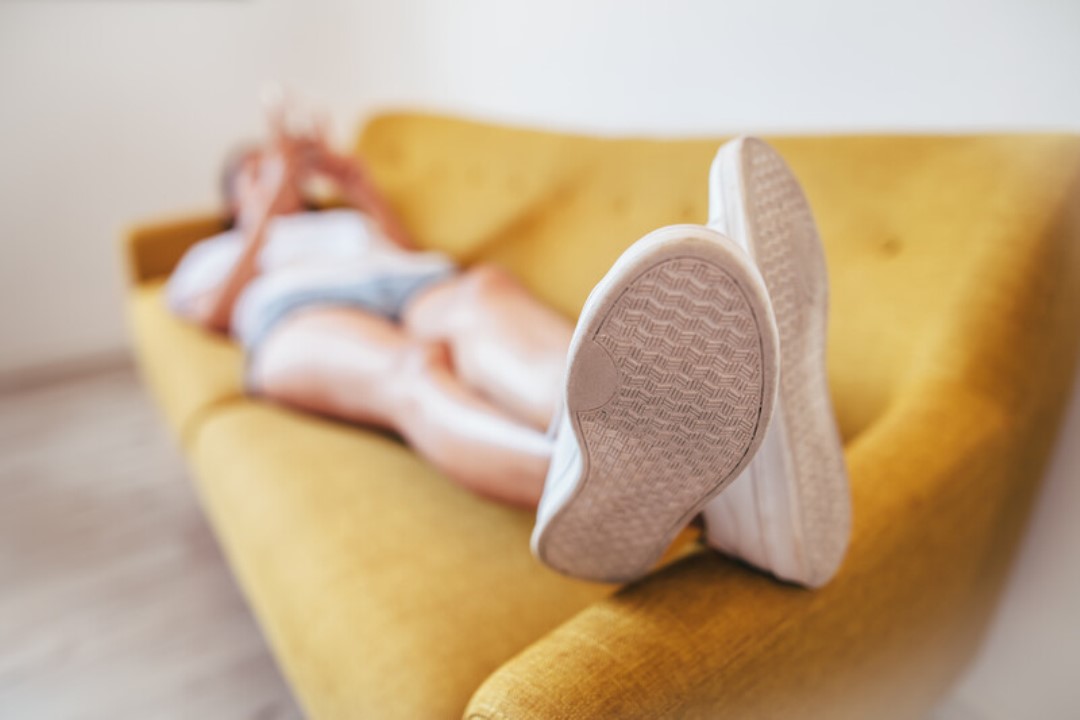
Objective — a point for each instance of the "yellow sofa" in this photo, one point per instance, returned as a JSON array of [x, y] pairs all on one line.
[[386, 592]]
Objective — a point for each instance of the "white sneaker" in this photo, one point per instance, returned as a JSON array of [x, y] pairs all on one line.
[[670, 385], [790, 510]]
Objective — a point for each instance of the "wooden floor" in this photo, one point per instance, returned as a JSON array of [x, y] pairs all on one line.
[[114, 599]]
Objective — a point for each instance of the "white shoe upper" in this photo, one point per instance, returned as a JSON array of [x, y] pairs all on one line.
[[564, 471], [760, 518]]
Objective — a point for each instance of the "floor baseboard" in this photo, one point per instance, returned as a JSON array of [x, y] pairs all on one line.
[[35, 376]]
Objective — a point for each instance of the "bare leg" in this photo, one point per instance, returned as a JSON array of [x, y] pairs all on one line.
[[505, 343], [360, 368]]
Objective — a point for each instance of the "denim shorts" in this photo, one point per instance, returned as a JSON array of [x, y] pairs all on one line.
[[384, 295]]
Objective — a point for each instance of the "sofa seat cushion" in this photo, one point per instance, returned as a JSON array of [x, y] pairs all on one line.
[[385, 590], [188, 369]]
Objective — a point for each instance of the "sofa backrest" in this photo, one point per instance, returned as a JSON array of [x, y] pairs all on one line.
[[923, 234]]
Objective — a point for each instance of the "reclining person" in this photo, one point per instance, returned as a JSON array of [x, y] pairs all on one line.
[[339, 315], [656, 401]]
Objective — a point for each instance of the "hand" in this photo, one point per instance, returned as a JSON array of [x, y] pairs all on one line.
[[271, 186], [319, 158]]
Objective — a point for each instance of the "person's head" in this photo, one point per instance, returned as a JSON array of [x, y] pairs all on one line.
[[240, 183]]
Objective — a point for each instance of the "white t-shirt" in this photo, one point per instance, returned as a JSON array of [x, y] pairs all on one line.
[[303, 250]]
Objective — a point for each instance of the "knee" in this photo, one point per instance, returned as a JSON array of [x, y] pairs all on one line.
[[421, 366], [425, 358], [486, 280], [452, 309]]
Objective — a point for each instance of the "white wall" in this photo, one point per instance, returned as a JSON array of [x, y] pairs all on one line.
[[698, 66], [108, 112], [112, 111]]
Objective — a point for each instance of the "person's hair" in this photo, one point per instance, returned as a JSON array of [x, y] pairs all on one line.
[[234, 163]]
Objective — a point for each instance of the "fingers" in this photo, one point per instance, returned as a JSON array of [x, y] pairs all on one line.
[[281, 116], [274, 171], [320, 122], [275, 107], [298, 146]]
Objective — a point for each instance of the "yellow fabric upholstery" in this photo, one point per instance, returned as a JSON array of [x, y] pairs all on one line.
[[188, 369], [152, 250], [387, 592]]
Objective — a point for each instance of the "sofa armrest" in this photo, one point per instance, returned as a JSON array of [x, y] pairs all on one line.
[[151, 250], [708, 638], [941, 488]]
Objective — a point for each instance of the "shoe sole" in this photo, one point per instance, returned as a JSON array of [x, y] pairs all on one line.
[[670, 386], [765, 206]]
